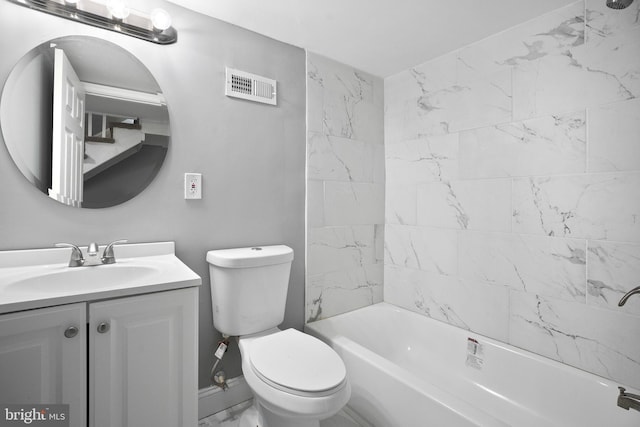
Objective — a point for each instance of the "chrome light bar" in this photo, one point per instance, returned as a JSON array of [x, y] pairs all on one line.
[[155, 27]]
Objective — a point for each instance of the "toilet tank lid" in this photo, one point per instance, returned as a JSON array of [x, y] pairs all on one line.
[[255, 256]]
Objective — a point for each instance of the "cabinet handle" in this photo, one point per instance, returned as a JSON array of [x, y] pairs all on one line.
[[103, 327], [71, 332]]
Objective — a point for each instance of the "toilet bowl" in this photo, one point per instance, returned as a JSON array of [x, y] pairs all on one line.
[[296, 379]]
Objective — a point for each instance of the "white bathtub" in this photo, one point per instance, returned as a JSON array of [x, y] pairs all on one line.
[[408, 370]]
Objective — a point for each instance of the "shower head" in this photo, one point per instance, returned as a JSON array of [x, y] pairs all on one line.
[[618, 4]]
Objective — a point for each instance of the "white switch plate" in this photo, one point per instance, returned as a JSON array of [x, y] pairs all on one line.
[[193, 185]]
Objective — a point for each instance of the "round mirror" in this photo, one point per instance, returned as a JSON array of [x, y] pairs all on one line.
[[84, 121]]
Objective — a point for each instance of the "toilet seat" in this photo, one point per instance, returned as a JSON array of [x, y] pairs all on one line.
[[297, 363]]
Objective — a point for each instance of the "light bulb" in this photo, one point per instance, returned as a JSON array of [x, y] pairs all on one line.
[[160, 19], [118, 9]]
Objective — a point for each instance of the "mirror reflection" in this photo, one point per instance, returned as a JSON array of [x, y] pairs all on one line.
[[84, 121]]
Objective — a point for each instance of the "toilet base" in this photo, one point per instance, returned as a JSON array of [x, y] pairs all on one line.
[[257, 416], [250, 418]]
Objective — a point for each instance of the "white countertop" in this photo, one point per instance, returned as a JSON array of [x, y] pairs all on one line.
[[37, 278]]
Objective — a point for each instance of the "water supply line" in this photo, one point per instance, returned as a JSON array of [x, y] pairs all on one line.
[[219, 378]]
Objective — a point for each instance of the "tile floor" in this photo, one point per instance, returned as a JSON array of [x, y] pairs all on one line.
[[231, 418]]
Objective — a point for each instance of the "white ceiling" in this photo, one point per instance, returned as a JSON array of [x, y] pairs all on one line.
[[377, 36]]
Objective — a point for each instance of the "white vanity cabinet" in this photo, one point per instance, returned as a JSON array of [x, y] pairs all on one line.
[[143, 362], [43, 358], [138, 352]]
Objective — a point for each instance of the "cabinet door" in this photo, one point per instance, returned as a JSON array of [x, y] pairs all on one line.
[[142, 361], [39, 364]]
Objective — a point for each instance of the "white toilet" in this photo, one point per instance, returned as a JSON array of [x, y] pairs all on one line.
[[296, 379]]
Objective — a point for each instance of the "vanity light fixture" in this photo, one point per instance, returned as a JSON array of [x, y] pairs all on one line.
[[113, 15], [160, 19], [118, 9]]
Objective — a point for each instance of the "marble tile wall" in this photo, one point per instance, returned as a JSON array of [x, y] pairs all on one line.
[[345, 188], [513, 188]]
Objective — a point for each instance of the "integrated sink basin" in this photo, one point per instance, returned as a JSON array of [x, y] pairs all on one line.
[[69, 279], [41, 277]]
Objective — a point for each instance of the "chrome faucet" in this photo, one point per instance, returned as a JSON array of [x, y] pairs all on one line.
[[92, 255], [626, 296], [93, 250], [628, 400]]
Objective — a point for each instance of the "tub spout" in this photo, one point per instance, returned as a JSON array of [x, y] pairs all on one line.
[[626, 296], [628, 400]]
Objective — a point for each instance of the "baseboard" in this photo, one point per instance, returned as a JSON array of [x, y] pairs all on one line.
[[356, 417], [213, 399]]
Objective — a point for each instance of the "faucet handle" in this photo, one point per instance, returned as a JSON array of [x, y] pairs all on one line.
[[107, 256], [76, 259]]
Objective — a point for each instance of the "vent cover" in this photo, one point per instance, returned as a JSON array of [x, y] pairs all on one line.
[[251, 87]]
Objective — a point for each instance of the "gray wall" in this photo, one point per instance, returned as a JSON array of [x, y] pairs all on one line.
[[252, 156]]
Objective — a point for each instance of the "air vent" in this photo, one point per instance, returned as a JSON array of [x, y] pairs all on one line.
[[251, 87]]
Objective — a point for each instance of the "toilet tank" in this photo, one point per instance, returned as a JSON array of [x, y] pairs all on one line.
[[249, 288]]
